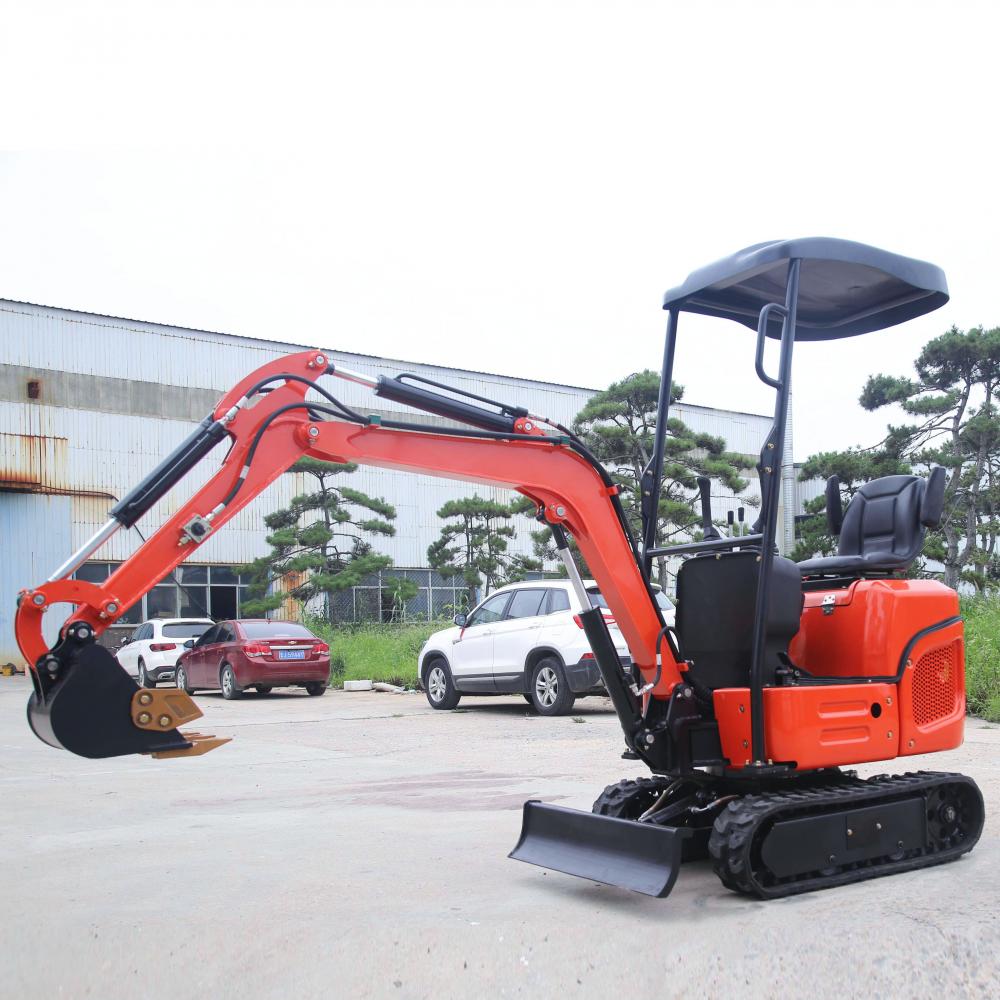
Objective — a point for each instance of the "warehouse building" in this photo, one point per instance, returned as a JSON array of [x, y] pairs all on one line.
[[89, 404]]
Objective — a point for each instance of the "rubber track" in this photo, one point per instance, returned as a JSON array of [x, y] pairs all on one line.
[[735, 835]]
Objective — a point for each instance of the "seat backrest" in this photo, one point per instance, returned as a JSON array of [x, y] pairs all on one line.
[[885, 519], [715, 608]]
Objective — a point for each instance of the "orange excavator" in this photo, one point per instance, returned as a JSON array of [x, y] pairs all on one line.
[[776, 677]]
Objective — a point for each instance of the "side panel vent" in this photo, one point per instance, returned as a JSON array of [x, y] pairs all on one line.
[[935, 684]]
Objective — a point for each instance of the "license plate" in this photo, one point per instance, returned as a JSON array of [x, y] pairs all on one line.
[[291, 654]]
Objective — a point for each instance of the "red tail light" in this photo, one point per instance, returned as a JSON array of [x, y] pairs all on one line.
[[609, 618], [588, 656], [321, 649], [162, 647], [256, 649]]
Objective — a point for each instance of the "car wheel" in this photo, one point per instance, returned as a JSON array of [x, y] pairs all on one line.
[[263, 688], [181, 681], [316, 688], [550, 694], [145, 681], [440, 687], [228, 683]]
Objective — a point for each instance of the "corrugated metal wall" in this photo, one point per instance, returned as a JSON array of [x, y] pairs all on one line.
[[101, 378], [34, 540]]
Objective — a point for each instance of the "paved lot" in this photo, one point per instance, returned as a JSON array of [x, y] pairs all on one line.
[[355, 845]]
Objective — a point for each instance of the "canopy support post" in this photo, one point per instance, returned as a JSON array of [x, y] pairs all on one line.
[[652, 477]]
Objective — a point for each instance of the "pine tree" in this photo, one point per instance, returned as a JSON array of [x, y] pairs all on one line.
[[319, 541], [953, 422], [473, 544], [619, 426]]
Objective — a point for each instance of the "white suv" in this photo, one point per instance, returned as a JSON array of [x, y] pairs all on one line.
[[151, 652], [524, 639]]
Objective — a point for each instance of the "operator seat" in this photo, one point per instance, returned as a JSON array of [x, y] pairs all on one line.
[[716, 597], [882, 530]]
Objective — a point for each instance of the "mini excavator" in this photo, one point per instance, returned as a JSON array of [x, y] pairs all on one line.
[[775, 679]]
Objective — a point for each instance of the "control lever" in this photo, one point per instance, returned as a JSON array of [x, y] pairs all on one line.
[[705, 489]]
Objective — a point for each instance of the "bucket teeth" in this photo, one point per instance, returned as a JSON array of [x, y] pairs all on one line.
[[160, 710], [200, 744]]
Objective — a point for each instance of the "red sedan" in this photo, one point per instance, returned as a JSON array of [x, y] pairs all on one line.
[[254, 652]]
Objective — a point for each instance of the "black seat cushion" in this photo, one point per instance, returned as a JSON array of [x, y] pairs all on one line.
[[715, 609], [883, 527]]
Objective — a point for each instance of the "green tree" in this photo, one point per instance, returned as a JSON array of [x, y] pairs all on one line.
[[401, 589], [319, 540], [952, 421], [473, 544], [619, 426]]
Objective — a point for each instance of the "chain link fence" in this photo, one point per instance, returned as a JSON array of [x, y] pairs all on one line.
[[375, 599]]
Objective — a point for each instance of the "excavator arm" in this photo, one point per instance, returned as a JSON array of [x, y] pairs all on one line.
[[84, 702]]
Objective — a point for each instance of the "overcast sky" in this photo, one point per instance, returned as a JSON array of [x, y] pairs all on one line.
[[503, 186]]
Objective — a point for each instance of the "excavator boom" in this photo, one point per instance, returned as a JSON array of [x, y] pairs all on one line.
[[84, 702]]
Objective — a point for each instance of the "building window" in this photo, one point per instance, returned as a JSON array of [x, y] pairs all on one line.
[[191, 592]]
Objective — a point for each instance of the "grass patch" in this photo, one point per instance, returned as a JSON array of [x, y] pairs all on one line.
[[982, 656], [375, 652]]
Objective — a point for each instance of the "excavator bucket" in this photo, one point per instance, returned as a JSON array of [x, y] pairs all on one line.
[[638, 856], [94, 709]]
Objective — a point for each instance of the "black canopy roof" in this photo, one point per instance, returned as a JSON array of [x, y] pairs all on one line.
[[845, 288]]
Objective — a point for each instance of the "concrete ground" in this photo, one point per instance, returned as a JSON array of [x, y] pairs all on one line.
[[355, 846]]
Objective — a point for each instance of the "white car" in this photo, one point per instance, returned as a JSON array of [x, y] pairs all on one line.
[[523, 639], [150, 654]]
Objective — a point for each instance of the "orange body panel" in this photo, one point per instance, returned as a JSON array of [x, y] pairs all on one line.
[[813, 726], [872, 625]]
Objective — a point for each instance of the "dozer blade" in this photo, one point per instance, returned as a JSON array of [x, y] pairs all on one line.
[[638, 856], [94, 709]]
